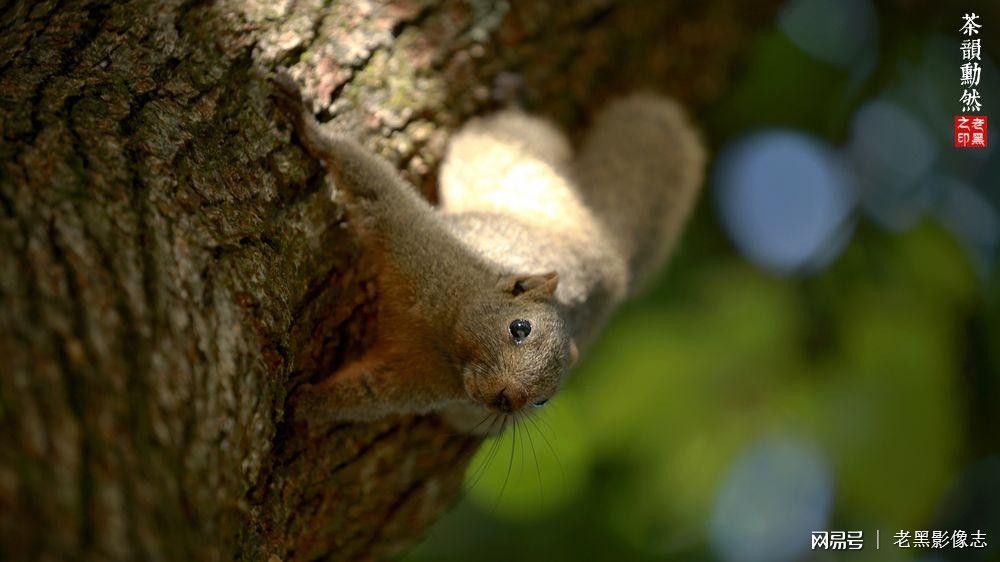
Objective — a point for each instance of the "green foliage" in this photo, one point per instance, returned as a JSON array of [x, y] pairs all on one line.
[[867, 362]]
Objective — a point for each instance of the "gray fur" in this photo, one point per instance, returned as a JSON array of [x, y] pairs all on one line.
[[515, 206]]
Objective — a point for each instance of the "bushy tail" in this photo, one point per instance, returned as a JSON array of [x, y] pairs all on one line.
[[640, 169]]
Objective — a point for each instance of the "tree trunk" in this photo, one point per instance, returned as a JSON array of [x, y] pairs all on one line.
[[172, 269]]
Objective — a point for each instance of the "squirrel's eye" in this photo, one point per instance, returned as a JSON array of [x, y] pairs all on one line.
[[540, 403], [519, 329]]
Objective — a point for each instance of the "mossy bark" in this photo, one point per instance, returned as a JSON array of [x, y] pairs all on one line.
[[172, 268]]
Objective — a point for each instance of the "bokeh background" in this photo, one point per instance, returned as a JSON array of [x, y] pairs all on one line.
[[823, 352]]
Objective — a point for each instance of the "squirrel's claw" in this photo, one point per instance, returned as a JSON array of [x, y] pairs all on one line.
[[286, 93]]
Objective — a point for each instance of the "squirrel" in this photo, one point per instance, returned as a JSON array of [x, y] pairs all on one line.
[[486, 301]]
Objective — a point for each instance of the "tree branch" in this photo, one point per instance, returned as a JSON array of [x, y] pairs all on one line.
[[172, 267]]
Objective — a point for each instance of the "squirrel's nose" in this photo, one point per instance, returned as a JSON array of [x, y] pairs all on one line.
[[510, 400]]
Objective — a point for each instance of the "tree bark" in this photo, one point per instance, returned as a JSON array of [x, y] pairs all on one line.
[[172, 268]]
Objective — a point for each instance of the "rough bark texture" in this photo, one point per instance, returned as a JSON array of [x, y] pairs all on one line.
[[171, 268]]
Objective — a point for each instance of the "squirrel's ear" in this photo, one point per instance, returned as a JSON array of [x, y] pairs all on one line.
[[543, 285]]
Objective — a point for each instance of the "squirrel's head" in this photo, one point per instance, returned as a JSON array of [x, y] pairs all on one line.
[[516, 348]]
